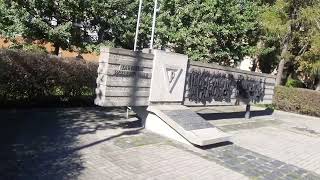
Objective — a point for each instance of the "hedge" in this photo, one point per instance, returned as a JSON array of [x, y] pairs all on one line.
[[30, 79], [303, 101]]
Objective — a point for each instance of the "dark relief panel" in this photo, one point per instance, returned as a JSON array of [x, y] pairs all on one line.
[[204, 86]]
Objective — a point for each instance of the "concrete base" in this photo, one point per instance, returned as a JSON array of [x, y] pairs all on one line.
[[157, 120], [155, 124]]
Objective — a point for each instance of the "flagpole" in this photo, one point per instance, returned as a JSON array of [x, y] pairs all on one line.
[[154, 22], [137, 28]]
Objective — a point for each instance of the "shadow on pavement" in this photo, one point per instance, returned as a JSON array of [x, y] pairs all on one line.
[[43, 144], [234, 115], [217, 145]]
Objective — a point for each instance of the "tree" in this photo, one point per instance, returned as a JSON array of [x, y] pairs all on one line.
[[115, 22], [63, 23], [215, 31], [10, 24], [310, 52], [211, 31], [276, 22], [287, 21]]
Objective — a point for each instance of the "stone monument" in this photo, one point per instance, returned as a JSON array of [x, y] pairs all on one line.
[[159, 86]]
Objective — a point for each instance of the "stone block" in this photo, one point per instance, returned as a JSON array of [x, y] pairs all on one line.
[[168, 77]]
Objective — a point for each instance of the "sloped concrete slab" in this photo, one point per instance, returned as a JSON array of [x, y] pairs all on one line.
[[179, 122], [187, 119]]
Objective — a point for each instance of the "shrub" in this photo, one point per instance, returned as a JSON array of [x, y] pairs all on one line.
[[297, 100], [33, 48], [295, 83], [33, 79]]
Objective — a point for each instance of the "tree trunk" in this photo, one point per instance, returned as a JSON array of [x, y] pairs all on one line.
[[254, 64], [282, 63], [260, 46], [56, 49], [280, 72], [318, 85]]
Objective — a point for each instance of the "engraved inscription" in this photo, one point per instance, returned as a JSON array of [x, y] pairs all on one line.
[[131, 68], [130, 71], [142, 75], [122, 75]]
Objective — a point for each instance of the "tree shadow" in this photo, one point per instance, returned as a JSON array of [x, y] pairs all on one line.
[[44, 144]]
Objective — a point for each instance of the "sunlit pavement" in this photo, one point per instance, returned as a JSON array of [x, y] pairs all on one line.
[[100, 143]]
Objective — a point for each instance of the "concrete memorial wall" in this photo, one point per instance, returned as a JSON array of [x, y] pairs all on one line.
[[265, 81], [127, 78], [159, 86], [124, 78]]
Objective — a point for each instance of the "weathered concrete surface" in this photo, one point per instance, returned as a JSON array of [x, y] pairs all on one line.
[[168, 77], [124, 78], [293, 139], [185, 123], [99, 143]]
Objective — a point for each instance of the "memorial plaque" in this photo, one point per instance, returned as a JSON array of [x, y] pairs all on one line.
[[188, 119], [124, 78]]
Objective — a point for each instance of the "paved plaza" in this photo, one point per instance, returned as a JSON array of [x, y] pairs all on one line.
[[101, 143]]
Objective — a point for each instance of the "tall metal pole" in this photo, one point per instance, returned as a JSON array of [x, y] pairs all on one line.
[[154, 22], [137, 28]]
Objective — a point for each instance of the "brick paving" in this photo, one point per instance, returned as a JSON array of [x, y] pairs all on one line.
[[290, 147], [99, 143], [156, 161], [257, 166]]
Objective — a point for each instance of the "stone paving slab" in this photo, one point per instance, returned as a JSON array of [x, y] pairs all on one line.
[[290, 147], [156, 161], [101, 144], [247, 125], [187, 119], [257, 166], [251, 164]]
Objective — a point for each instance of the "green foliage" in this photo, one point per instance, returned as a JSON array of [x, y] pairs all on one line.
[[96, 47], [294, 83], [297, 100], [33, 48], [275, 26], [315, 71], [268, 56], [59, 22], [275, 20], [115, 21], [211, 31], [295, 26], [30, 79], [215, 31], [10, 16]]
